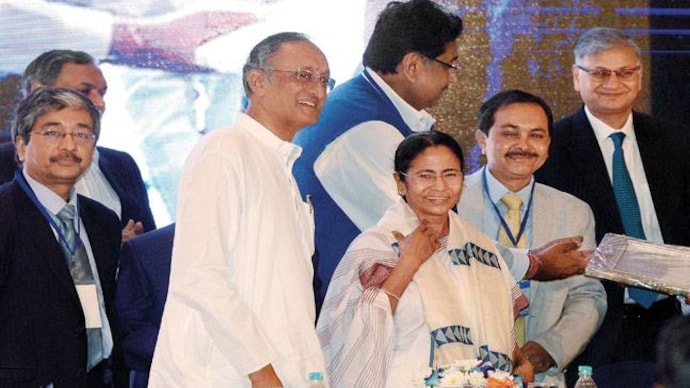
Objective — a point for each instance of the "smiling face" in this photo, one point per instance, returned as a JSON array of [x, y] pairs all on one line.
[[433, 183], [57, 165], [611, 100], [280, 100], [517, 143]]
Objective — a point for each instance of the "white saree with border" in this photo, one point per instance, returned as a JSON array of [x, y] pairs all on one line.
[[463, 298]]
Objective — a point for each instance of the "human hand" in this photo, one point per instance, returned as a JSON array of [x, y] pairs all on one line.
[[419, 245], [265, 377], [560, 259], [537, 356], [522, 366], [131, 230]]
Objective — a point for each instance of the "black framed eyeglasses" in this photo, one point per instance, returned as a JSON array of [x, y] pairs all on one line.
[[453, 66], [603, 74]]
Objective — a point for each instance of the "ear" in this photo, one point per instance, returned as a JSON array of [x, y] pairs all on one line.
[[21, 148], [35, 85], [257, 80], [576, 78], [411, 65], [481, 140], [400, 185]]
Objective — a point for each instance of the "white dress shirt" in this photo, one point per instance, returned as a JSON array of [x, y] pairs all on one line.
[[633, 162], [94, 185], [356, 169], [240, 293]]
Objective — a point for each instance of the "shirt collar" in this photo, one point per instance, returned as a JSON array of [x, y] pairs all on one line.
[[286, 150], [52, 202], [497, 190], [417, 120], [602, 130]]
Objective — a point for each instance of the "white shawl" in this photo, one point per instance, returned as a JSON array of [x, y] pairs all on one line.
[[465, 291]]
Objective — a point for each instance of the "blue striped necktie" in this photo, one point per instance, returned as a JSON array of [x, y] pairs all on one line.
[[629, 209]]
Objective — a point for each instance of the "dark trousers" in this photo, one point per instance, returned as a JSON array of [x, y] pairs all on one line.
[[635, 338]]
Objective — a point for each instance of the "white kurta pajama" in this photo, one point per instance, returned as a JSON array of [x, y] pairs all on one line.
[[240, 293], [365, 345]]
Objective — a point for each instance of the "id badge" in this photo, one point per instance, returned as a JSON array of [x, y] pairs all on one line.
[[88, 296]]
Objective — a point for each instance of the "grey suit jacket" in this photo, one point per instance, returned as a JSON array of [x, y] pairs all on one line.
[[563, 314]]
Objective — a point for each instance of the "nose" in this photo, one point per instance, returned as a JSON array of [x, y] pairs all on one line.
[[68, 142], [452, 76], [440, 182], [613, 80]]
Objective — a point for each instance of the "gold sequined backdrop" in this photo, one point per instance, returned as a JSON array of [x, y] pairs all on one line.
[[528, 45]]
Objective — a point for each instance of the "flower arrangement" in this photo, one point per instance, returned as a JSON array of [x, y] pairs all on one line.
[[469, 374]]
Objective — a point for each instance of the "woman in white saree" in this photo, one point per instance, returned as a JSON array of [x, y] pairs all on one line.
[[421, 288]]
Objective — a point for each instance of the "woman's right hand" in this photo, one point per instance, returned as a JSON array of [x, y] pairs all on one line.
[[417, 247]]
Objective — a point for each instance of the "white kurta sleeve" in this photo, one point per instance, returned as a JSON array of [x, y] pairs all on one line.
[[356, 171]]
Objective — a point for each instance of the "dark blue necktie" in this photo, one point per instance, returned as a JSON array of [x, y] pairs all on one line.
[[629, 209]]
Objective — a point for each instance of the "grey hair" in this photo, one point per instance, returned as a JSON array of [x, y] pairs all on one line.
[[44, 100], [46, 67], [264, 51], [599, 39]]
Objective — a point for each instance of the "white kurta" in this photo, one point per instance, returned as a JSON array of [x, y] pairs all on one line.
[[240, 292]]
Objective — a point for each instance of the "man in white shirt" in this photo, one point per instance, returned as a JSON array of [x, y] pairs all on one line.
[[240, 309]]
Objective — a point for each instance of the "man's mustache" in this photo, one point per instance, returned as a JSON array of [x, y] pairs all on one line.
[[71, 156], [520, 153]]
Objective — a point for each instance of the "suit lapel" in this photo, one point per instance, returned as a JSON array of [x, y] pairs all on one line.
[[587, 158], [46, 244]]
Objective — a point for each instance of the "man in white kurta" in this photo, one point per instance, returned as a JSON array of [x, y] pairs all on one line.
[[240, 298]]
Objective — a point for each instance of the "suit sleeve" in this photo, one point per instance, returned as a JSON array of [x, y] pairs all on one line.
[[584, 307], [134, 305]]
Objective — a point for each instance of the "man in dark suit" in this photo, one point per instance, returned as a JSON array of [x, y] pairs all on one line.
[[113, 179], [607, 74], [58, 252], [140, 294]]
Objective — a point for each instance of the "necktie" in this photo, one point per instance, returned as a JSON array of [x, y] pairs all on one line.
[[80, 269], [512, 218], [628, 208]]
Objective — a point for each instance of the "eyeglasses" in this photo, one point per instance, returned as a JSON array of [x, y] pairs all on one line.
[[54, 136], [429, 177], [602, 74], [453, 66], [308, 76]]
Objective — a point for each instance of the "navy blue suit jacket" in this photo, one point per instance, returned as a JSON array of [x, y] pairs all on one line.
[[119, 169], [576, 166], [42, 328], [142, 288]]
